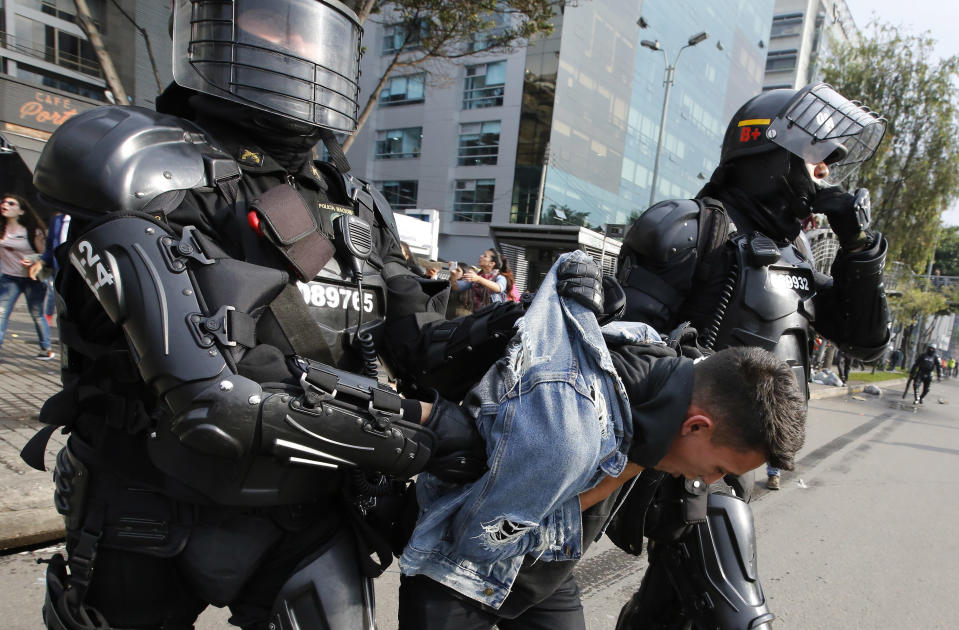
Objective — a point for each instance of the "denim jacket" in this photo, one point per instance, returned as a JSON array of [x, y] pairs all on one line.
[[555, 419]]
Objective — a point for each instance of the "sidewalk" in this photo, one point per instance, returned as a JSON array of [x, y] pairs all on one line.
[[27, 515], [818, 392]]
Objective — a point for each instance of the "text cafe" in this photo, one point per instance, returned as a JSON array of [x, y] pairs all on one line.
[[28, 115]]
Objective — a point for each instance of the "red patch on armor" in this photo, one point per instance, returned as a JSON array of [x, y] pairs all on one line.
[[748, 134]]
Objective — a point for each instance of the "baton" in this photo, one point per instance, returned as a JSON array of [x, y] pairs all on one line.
[[908, 382]]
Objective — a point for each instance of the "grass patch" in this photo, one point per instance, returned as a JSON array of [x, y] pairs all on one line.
[[869, 377]]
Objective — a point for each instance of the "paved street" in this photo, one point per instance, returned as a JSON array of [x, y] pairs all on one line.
[[859, 536]]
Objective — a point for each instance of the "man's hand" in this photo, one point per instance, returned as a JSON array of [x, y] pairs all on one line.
[[848, 213], [460, 453]]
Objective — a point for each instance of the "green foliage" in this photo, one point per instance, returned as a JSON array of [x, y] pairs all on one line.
[[915, 173], [947, 252], [441, 29], [915, 302]]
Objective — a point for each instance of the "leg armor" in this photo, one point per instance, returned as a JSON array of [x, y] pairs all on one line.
[[329, 592], [707, 578]]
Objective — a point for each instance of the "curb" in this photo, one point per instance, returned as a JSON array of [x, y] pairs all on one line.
[[828, 391]]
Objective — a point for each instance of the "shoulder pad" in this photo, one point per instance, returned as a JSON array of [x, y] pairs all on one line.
[[112, 159], [665, 231]]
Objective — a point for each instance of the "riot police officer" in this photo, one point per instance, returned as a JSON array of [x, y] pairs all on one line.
[[922, 370], [734, 262], [223, 299]]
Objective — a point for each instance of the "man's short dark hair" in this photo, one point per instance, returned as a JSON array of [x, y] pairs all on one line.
[[756, 402]]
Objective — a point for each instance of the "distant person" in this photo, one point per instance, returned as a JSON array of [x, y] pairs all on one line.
[[413, 264], [56, 234], [488, 285], [922, 371], [22, 239], [895, 359], [845, 365]]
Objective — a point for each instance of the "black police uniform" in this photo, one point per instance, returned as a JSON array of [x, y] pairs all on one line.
[[217, 408], [734, 264], [922, 370]]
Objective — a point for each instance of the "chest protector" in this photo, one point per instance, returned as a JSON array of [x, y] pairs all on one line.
[[767, 302]]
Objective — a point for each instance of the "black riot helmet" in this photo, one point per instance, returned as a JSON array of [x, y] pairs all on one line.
[[298, 59], [815, 123]]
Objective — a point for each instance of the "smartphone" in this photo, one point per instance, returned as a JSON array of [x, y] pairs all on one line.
[[454, 265]]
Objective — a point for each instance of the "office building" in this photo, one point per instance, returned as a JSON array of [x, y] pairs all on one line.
[[562, 133], [802, 33], [49, 71]]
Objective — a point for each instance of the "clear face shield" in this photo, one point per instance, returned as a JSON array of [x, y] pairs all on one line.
[[294, 58], [821, 125]]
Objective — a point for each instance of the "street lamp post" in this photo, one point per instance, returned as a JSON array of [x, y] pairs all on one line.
[[668, 81]]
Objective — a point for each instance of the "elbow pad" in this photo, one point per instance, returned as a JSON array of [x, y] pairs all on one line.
[[137, 269]]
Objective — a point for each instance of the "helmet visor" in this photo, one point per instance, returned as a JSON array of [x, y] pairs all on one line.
[[821, 125], [298, 58]]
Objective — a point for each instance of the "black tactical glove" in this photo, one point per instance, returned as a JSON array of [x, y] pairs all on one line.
[[584, 283], [848, 214], [459, 455], [683, 339]]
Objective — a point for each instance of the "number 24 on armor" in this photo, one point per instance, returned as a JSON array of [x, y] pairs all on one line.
[[90, 260]]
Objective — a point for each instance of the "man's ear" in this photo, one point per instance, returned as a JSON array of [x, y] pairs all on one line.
[[697, 420]]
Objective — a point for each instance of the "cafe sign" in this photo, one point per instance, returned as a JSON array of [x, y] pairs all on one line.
[[29, 106]]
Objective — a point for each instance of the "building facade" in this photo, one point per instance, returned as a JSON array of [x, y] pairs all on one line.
[[802, 33], [562, 132], [49, 72]]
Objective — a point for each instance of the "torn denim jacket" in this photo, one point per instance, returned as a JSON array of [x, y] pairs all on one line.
[[555, 419]]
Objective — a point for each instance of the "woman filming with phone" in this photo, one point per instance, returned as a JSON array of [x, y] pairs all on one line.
[[489, 285]]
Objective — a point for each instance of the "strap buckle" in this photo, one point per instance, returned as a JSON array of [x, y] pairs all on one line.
[[216, 327]]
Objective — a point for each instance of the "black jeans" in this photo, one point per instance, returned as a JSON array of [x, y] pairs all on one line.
[[428, 605]]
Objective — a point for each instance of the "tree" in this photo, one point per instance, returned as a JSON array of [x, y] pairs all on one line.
[[439, 29], [947, 252], [914, 176]]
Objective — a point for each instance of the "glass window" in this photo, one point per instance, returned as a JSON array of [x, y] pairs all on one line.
[[473, 200], [42, 41], [483, 39], [484, 85], [781, 60], [48, 79], [410, 33], [403, 90], [400, 194], [479, 143], [786, 25], [399, 143]]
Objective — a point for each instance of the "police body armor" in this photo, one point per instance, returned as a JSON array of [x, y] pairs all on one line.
[[702, 555], [190, 314], [767, 302]]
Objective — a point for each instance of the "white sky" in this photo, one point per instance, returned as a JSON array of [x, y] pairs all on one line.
[[939, 17]]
